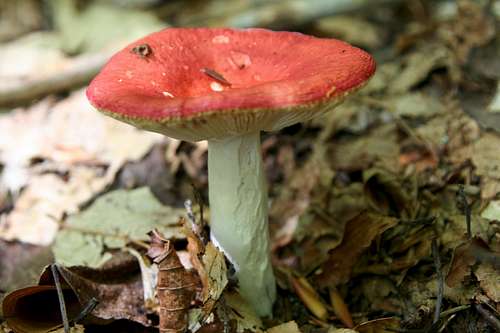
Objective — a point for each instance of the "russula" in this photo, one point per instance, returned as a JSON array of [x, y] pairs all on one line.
[[226, 86]]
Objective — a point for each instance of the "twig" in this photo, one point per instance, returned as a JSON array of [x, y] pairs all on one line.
[[188, 205], [78, 74], [454, 310], [462, 199], [60, 296], [492, 320], [92, 303], [440, 281]]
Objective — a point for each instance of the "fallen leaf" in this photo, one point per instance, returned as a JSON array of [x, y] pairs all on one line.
[[216, 272], [489, 279], [237, 309], [492, 211], [464, 257], [118, 291], [415, 105], [340, 308], [485, 155], [290, 327], [35, 309], [309, 297], [418, 65], [359, 234], [80, 152], [112, 221], [380, 146]]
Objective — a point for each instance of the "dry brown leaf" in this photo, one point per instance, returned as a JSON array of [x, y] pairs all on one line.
[[235, 308], [119, 293], [468, 254], [309, 297], [358, 235], [485, 155], [380, 146], [209, 262], [35, 309], [175, 288], [340, 308], [489, 280]]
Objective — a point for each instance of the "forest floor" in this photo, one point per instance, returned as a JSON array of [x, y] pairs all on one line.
[[384, 216]]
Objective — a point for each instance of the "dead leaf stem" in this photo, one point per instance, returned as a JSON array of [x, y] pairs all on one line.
[[60, 296], [440, 280]]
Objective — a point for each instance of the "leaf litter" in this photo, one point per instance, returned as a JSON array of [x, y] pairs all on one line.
[[359, 196]]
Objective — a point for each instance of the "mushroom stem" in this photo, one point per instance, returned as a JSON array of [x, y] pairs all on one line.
[[238, 210]]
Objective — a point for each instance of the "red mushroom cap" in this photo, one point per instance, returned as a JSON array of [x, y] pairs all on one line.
[[202, 83]]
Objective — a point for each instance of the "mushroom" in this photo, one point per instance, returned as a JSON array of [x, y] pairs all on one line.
[[226, 86]]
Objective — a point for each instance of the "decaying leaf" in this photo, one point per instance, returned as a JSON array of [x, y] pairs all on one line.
[[36, 309], [290, 327], [176, 286], [465, 256], [489, 279], [492, 211], [416, 105], [379, 147], [117, 290], [418, 65], [359, 234], [209, 262], [236, 309], [309, 297], [340, 308], [216, 272], [485, 155], [388, 194], [112, 221]]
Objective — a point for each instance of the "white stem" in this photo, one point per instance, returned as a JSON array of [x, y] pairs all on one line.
[[238, 210]]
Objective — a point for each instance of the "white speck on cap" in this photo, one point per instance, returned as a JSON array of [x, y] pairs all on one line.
[[220, 39], [215, 86]]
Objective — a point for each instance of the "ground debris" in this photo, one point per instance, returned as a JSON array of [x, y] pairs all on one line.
[[363, 201]]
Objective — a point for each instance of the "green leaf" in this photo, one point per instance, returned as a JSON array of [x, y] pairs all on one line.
[[112, 221]]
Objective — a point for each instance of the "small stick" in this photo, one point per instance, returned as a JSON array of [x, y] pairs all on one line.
[[188, 205], [216, 76], [492, 320], [462, 198], [92, 303], [60, 296], [440, 281]]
